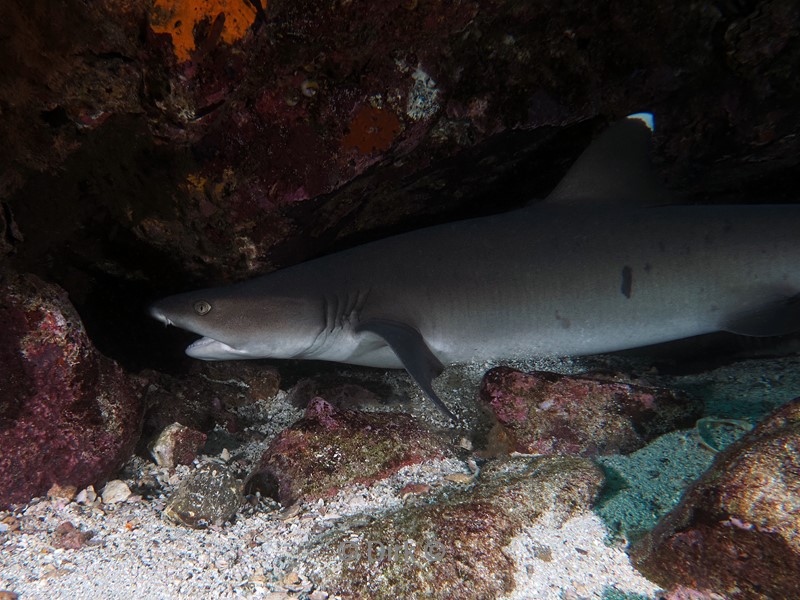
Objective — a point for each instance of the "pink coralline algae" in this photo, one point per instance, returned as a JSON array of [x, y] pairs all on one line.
[[547, 413], [68, 415]]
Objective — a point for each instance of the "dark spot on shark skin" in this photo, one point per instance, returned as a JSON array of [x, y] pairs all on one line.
[[648, 267], [627, 281], [565, 323], [662, 247]]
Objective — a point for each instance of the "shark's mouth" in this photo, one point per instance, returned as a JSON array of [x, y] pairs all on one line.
[[207, 348]]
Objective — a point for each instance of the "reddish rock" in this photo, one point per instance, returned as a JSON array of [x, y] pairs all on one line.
[[547, 413], [736, 532], [63, 492], [177, 445], [69, 537], [684, 593], [330, 448], [68, 415]]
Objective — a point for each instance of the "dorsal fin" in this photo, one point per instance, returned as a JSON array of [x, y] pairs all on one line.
[[615, 169]]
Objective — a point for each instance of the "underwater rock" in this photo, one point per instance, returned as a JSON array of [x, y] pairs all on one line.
[[548, 413], [331, 447], [69, 537], [63, 492], [68, 415], [210, 495], [454, 546], [736, 532], [115, 491], [184, 400], [684, 593], [338, 392], [10, 235], [205, 397], [177, 445]]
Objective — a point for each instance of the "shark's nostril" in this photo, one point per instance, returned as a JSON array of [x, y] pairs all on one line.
[[158, 315]]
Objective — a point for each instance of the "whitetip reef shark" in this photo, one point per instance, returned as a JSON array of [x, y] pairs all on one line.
[[606, 262]]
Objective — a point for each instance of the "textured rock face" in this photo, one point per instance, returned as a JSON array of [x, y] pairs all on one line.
[[210, 495], [177, 445], [547, 413], [737, 530], [330, 448], [68, 415], [453, 547]]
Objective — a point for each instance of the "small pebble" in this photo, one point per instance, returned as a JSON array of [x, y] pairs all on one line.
[[69, 537], [67, 492], [116, 491], [86, 495], [414, 489], [309, 88], [9, 523], [460, 478]]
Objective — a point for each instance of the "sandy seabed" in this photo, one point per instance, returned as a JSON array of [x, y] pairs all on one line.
[[135, 552]]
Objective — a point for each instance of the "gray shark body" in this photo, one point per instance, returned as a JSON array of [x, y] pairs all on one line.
[[598, 267]]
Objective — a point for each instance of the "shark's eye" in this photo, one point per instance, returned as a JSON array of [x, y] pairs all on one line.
[[201, 307]]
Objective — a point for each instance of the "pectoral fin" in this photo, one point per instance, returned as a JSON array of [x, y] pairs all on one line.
[[776, 318], [410, 347]]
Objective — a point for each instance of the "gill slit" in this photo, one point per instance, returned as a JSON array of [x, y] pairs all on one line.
[[339, 313]]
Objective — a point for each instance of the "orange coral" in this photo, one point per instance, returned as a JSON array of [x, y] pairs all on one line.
[[372, 130], [179, 17]]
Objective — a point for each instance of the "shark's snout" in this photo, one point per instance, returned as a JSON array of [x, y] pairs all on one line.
[[158, 314]]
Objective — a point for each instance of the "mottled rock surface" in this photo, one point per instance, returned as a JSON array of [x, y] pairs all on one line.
[[68, 415], [332, 447], [69, 537], [115, 491], [177, 445], [737, 530], [453, 546], [209, 496], [548, 413]]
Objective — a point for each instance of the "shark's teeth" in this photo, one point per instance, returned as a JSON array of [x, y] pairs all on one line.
[[207, 348]]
